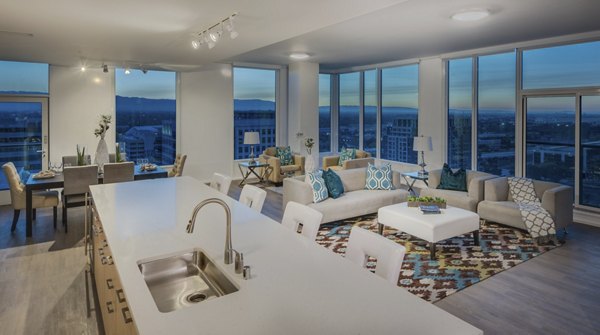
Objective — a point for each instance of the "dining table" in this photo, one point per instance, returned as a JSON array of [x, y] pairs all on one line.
[[58, 181]]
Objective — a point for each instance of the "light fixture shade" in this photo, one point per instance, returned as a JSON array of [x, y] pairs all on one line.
[[196, 44], [233, 34], [251, 137], [471, 15], [422, 143]]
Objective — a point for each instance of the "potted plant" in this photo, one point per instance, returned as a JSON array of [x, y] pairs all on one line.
[[81, 156], [414, 201]]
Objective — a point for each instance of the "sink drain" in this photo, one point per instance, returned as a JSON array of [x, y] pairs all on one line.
[[196, 297]]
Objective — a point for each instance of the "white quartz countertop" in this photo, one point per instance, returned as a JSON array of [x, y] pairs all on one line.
[[297, 286]]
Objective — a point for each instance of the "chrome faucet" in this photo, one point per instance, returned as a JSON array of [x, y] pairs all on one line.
[[190, 227]]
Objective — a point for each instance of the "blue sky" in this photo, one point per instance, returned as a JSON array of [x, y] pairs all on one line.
[[152, 85], [254, 84], [28, 77]]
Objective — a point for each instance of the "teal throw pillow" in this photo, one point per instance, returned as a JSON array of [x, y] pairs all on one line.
[[333, 183], [379, 178], [319, 189], [455, 181], [285, 155], [346, 155]]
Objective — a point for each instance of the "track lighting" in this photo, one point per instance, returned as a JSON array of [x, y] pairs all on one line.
[[144, 71], [83, 68], [127, 70], [212, 35], [104, 68]]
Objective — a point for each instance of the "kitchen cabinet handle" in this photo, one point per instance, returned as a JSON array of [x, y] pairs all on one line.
[[126, 315], [110, 284], [120, 295], [109, 307]]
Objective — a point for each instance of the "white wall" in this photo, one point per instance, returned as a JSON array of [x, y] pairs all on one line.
[[432, 116], [206, 125], [77, 99], [303, 104]]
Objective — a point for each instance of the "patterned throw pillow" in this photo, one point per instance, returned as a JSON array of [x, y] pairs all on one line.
[[333, 183], [285, 155], [346, 155], [318, 186], [455, 181], [379, 178]]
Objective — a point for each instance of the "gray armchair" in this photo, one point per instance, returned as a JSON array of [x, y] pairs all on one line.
[[465, 200], [498, 206]]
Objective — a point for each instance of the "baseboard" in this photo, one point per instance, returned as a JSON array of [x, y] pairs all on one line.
[[586, 217]]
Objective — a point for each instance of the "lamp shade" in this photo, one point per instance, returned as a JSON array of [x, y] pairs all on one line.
[[422, 143], [251, 137]]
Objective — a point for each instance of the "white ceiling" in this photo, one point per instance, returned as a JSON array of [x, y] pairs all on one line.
[[337, 33]]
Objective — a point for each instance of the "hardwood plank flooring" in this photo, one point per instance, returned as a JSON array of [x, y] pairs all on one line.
[[42, 284]]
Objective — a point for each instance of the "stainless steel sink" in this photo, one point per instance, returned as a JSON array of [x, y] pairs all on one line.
[[184, 279]]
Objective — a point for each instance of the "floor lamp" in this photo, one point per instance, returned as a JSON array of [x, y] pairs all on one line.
[[422, 144], [252, 138]]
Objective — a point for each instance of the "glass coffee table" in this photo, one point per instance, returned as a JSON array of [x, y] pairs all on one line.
[[248, 168], [412, 177]]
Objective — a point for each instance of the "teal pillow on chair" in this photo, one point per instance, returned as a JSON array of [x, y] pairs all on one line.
[[379, 179], [333, 183], [346, 155], [319, 189], [285, 155], [454, 181]]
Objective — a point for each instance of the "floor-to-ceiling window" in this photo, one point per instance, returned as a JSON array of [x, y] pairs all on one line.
[[399, 112], [324, 112], [460, 111], [254, 107], [23, 117], [370, 98], [146, 115], [590, 151], [349, 110]]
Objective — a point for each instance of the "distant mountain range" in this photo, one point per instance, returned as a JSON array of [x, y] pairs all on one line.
[[244, 105]]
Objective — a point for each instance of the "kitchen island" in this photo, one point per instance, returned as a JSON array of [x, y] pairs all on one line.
[[297, 286]]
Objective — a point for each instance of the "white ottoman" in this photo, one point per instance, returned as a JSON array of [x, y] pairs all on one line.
[[430, 227]]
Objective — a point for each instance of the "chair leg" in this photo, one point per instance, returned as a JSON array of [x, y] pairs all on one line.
[[33, 214], [15, 219], [64, 216], [54, 215]]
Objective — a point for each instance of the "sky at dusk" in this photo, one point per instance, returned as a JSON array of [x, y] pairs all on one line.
[[152, 85], [254, 84], [24, 77]]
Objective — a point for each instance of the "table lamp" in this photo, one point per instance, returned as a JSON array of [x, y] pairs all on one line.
[[252, 138], [422, 144]]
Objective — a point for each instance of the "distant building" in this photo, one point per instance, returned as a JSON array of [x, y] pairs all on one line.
[[261, 121], [398, 140], [20, 141]]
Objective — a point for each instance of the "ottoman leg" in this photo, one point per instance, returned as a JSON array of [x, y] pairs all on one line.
[[476, 237], [432, 251], [380, 228]]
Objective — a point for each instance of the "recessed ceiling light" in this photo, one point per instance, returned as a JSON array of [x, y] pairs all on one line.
[[299, 55], [471, 15]]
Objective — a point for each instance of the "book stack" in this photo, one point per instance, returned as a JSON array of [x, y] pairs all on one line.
[[430, 209]]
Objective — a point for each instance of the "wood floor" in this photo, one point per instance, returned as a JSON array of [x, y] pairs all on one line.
[[42, 283]]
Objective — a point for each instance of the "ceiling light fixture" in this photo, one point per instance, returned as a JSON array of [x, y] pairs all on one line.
[[104, 68], [213, 34], [83, 68], [127, 70], [299, 55], [471, 15]]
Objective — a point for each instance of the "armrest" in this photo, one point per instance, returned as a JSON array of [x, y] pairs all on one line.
[[396, 179], [275, 164], [496, 189], [434, 178], [296, 190], [476, 187], [299, 160], [558, 201], [330, 161], [358, 163]]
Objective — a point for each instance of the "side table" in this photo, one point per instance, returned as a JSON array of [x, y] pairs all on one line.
[[250, 168], [412, 177]]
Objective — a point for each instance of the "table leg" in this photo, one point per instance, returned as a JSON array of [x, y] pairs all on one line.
[[432, 251], [380, 228], [476, 237], [410, 185], [260, 179], [28, 213], [244, 175]]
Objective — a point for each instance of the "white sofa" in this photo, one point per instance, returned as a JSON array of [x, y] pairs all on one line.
[[355, 201]]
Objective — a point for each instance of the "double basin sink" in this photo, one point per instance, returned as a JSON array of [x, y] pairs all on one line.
[[184, 279]]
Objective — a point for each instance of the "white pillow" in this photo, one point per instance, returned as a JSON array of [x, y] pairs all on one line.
[[319, 189]]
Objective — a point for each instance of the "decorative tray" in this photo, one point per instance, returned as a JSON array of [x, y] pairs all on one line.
[[44, 175]]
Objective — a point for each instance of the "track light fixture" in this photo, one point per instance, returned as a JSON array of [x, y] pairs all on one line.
[[212, 35], [127, 70], [104, 68]]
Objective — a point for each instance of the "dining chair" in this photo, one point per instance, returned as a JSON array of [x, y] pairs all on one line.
[[253, 197], [72, 160], [18, 196], [118, 172], [178, 165], [297, 215], [220, 182], [389, 254], [76, 188]]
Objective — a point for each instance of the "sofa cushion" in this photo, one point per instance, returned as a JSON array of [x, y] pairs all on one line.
[[504, 212], [453, 198], [353, 179], [347, 155], [319, 189], [285, 155], [379, 178], [450, 180], [333, 183]]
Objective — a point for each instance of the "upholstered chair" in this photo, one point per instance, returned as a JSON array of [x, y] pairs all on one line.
[[253, 197], [220, 182], [389, 254], [498, 205], [362, 160], [297, 215], [118, 172], [18, 197], [177, 169], [279, 172], [77, 184], [466, 200]]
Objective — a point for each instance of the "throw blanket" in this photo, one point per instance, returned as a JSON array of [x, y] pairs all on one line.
[[538, 221]]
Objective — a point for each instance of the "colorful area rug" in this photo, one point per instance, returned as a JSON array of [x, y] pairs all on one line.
[[459, 263]]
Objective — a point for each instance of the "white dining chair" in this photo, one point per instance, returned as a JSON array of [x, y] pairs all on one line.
[[253, 197], [220, 182], [297, 215], [118, 172], [389, 254]]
